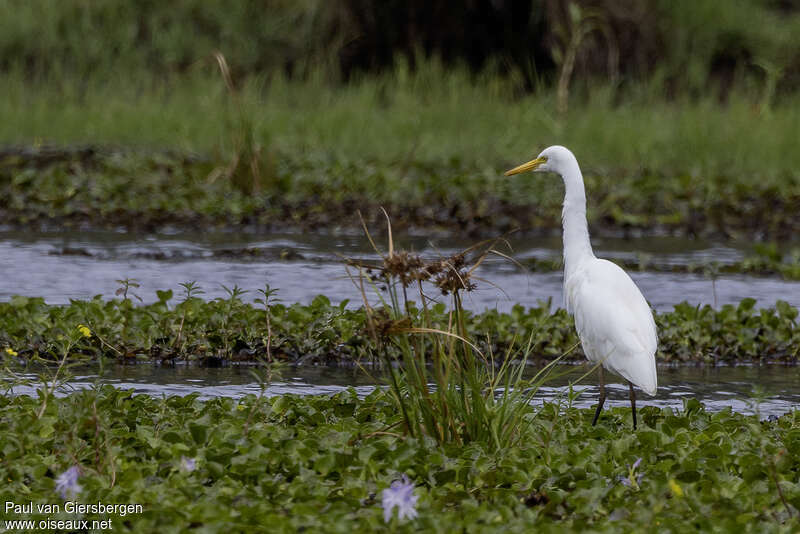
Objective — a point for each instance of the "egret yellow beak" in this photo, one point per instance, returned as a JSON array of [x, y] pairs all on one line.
[[530, 166]]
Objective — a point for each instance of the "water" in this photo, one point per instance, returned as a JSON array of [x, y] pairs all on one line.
[[718, 388], [78, 265]]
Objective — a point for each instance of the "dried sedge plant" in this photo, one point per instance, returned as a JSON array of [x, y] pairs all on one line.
[[442, 383], [451, 275]]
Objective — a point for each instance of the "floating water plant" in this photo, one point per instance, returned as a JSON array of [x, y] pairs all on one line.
[[321, 463], [67, 483], [323, 332], [399, 495]]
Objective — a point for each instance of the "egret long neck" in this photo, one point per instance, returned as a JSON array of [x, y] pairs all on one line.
[[577, 246]]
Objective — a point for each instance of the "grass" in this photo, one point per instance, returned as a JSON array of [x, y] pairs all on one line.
[[684, 46], [431, 115], [321, 463], [430, 146]]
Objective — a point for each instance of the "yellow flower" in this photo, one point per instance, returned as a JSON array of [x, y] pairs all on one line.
[[11, 351], [85, 332], [676, 489]]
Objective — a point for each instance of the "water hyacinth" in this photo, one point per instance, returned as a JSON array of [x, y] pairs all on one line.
[[188, 464], [67, 483], [399, 494], [633, 479]]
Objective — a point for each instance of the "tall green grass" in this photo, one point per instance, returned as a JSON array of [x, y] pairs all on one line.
[[62, 38], [430, 115], [696, 47]]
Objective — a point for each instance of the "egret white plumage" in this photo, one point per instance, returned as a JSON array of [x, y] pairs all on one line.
[[613, 320]]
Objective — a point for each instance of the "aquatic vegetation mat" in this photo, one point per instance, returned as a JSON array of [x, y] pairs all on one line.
[[182, 326], [102, 187], [334, 464]]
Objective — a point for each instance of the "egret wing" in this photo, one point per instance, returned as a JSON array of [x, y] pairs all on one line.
[[614, 322]]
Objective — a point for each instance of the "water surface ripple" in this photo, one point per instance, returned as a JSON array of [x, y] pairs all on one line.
[[766, 390], [78, 265]]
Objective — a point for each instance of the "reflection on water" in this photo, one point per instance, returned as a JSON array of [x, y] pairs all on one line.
[[769, 390], [79, 265]]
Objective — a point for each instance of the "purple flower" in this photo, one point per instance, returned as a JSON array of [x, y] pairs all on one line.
[[633, 479], [188, 464], [400, 494], [67, 483]]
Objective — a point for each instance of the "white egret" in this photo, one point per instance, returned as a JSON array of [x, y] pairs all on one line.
[[613, 320]]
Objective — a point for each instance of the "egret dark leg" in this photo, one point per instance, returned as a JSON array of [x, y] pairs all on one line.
[[602, 398], [633, 403]]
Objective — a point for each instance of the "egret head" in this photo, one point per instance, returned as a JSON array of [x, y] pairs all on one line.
[[554, 159]]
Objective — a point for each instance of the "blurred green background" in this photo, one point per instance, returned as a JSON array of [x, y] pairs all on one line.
[[683, 46], [685, 104]]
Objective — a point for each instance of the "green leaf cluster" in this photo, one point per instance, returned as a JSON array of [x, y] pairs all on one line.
[[229, 329], [320, 462], [109, 187]]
